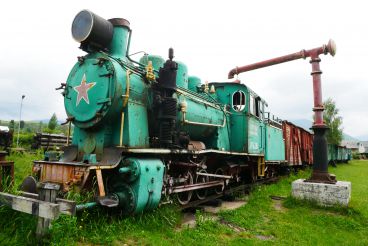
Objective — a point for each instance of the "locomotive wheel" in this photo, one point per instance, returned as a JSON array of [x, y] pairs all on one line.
[[201, 194], [184, 197], [219, 190]]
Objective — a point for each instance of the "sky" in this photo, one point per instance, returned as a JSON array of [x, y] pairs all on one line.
[[211, 37]]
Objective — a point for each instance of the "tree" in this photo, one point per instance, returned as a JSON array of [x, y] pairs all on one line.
[[40, 126], [52, 122], [11, 125], [22, 124], [333, 121]]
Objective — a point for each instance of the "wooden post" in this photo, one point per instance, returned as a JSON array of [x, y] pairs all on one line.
[[6, 171], [100, 183], [47, 192]]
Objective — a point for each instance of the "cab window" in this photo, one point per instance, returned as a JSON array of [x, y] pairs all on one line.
[[259, 108], [251, 104], [239, 101], [256, 106]]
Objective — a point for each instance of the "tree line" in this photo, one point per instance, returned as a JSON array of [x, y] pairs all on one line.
[[52, 126]]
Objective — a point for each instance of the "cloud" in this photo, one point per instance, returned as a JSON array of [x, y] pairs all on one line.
[[38, 51], [37, 84]]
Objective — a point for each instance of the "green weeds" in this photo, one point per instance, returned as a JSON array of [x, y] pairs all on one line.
[[262, 221]]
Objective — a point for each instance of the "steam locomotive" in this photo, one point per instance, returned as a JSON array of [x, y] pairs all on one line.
[[146, 132]]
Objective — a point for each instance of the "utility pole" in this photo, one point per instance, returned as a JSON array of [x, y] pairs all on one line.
[[20, 118]]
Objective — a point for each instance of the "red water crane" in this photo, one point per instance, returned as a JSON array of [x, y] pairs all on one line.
[[320, 166]]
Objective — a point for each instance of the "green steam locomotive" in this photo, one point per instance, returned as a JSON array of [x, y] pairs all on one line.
[[146, 132]]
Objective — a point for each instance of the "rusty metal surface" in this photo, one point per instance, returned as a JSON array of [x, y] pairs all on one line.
[[69, 173], [196, 145], [63, 174], [307, 147], [321, 177], [120, 22], [317, 92], [298, 144]]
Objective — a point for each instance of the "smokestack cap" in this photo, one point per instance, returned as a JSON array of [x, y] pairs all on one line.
[[120, 22]]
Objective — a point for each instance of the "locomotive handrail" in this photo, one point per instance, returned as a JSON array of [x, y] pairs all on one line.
[[125, 102], [198, 99], [183, 109], [126, 96]]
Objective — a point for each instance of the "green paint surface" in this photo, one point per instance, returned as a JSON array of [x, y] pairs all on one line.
[[275, 147], [256, 133]]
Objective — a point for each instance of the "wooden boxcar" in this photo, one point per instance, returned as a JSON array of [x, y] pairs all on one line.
[[298, 144]]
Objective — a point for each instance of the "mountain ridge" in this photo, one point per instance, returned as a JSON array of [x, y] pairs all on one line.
[[307, 124]]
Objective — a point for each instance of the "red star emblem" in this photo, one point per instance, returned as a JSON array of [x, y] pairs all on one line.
[[82, 90]]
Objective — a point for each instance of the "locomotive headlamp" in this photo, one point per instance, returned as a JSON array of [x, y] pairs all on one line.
[[91, 30]]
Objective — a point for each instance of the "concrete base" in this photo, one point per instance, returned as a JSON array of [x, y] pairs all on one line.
[[323, 194]]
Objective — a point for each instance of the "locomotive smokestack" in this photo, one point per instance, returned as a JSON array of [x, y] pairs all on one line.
[[119, 42]]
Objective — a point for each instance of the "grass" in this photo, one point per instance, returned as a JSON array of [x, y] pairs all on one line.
[[305, 223], [262, 221]]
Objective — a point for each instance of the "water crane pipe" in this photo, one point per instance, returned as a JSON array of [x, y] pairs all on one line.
[[324, 49]]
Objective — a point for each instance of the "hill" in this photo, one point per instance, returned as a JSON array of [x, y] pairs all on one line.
[[307, 124]]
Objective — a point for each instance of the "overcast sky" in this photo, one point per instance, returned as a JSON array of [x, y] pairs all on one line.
[[211, 37]]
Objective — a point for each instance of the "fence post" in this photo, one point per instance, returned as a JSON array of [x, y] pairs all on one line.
[[47, 192]]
